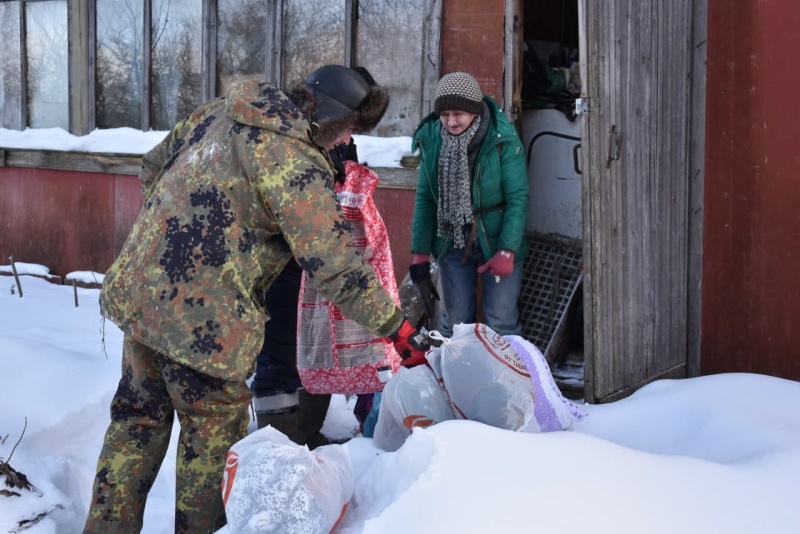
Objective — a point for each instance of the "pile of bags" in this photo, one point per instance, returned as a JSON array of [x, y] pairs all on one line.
[[272, 485], [502, 381]]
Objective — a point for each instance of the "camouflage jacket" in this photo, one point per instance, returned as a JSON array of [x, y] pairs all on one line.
[[231, 194]]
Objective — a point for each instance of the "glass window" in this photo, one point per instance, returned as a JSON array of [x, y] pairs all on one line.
[[10, 67], [389, 44], [241, 42], [118, 93], [313, 35], [176, 79], [48, 66]]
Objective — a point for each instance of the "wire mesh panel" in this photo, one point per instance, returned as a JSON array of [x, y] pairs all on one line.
[[552, 272]]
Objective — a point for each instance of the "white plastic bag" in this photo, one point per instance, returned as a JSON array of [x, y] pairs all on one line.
[[484, 377], [411, 398], [503, 381], [272, 485]]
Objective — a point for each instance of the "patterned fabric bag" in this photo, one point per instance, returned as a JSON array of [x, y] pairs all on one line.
[[334, 353]]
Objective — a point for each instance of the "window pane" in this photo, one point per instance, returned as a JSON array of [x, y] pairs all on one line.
[[241, 41], [313, 35], [48, 71], [119, 63], [389, 45], [176, 61], [10, 61]]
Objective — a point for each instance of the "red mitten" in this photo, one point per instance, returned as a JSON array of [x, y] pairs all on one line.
[[501, 264]]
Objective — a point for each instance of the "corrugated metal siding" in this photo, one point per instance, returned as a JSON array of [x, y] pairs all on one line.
[[75, 221], [66, 220], [752, 195]]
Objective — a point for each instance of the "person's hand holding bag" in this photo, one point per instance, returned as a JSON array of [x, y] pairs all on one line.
[[410, 345], [420, 274], [501, 264]]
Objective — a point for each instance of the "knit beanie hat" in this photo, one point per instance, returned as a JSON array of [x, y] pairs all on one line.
[[458, 91]]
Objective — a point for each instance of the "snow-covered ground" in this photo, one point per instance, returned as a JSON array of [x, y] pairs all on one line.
[[711, 454]]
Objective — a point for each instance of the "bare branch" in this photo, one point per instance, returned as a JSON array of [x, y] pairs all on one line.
[[18, 441]]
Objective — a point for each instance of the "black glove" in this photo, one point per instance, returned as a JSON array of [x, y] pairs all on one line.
[[420, 274], [410, 344]]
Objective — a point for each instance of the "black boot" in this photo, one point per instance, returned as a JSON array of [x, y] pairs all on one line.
[[280, 411], [284, 422], [313, 409]]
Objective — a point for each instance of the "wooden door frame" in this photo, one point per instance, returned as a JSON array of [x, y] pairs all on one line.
[[512, 82], [694, 236]]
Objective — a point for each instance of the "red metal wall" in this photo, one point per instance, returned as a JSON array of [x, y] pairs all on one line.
[[472, 41], [396, 207], [68, 221], [751, 260], [78, 221]]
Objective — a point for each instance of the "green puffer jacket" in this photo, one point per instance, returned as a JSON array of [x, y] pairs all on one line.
[[231, 195], [499, 188]]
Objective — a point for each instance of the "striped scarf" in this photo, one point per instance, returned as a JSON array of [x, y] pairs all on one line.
[[455, 198]]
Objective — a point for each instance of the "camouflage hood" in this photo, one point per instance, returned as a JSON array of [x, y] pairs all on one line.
[[263, 106]]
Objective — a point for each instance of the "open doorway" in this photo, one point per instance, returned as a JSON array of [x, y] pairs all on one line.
[[551, 300]]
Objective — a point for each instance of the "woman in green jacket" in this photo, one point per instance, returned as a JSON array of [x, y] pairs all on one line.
[[471, 206]]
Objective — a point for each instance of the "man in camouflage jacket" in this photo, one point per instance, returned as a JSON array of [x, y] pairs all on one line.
[[231, 195]]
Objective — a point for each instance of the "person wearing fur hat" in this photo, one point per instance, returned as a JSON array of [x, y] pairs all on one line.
[[278, 397], [470, 208], [234, 193]]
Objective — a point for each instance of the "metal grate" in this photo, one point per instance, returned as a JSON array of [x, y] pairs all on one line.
[[552, 272]]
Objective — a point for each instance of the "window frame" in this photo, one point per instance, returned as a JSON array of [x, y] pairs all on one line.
[[82, 37], [431, 46]]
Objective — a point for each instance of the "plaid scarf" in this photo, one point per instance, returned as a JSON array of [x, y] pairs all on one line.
[[455, 198]]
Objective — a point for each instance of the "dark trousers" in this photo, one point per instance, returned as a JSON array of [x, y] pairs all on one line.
[[276, 366]]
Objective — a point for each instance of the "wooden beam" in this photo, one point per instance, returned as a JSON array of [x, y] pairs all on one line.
[[350, 27], [23, 67], [80, 119], [73, 161], [147, 62], [431, 53], [696, 181], [208, 89], [390, 177]]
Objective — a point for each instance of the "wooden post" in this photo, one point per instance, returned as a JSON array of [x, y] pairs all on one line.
[[75, 291], [16, 276]]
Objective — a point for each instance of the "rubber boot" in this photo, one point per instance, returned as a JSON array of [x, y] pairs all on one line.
[[284, 422], [280, 411], [312, 413]]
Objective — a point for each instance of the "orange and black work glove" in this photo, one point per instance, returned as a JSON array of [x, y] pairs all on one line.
[[410, 344]]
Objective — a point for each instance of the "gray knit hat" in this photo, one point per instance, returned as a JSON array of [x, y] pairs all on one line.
[[458, 91]]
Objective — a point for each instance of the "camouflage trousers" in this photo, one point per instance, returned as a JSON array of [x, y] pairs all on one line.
[[213, 415]]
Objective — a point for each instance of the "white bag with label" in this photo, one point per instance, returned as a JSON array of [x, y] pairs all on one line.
[[484, 377], [503, 381]]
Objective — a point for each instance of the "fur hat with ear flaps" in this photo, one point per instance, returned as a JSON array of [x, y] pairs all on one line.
[[337, 98]]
